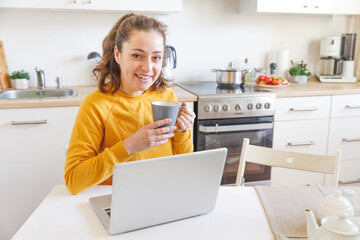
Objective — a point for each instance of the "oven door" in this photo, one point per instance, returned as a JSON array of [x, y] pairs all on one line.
[[230, 133]]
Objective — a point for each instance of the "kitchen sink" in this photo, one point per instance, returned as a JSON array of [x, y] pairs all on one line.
[[38, 93]]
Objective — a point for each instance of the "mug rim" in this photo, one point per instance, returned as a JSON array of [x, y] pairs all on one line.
[[161, 103]]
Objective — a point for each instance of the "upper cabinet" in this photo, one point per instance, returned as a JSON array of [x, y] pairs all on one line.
[[154, 6], [345, 7]]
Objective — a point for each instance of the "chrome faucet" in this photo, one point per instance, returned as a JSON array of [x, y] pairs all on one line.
[[40, 78]]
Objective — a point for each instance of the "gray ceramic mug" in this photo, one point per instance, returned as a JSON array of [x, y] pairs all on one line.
[[165, 109]]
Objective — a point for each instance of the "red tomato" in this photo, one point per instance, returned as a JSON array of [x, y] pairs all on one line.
[[276, 82], [261, 77], [269, 79], [258, 82]]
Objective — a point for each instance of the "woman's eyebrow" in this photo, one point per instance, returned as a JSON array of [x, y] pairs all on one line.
[[140, 50]]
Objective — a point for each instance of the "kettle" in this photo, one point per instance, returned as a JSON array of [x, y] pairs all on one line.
[[337, 227], [169, 63]]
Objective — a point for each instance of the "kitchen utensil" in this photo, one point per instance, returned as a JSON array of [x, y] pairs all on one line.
[[165, 109], [330, 46], [93, 55], [333, 204], [4, 74], [337, 227], [231, 76], [169, 63], [348, 41]]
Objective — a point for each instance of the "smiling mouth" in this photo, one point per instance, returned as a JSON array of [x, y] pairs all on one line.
[[144, 77]]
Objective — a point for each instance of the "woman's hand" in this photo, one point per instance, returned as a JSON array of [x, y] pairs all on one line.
[[185, 119], [149, 136]]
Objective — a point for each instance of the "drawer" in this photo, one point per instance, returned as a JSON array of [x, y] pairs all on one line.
[[302, 108], [349, 171], [345, 106], [306, 136], [344, 134]]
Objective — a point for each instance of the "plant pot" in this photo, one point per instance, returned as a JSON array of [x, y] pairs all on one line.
[[20, 83], [299, 79]]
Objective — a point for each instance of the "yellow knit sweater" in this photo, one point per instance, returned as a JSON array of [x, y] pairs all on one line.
[[103, 121]]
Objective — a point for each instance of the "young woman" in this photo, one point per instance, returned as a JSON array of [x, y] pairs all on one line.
[[114, 123]]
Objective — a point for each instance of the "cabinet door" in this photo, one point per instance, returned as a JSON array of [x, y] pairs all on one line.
[[299, 108], [335, 7], [307, 136], [32, 160], [133, 5], [344, 134], [41, 4], [274, 6], [345, 105]]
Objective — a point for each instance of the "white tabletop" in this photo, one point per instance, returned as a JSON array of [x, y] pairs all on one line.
[[238, 215]]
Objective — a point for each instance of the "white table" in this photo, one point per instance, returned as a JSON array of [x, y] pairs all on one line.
[[238, 215]]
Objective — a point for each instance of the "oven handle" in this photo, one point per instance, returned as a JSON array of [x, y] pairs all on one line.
[[232, 128]]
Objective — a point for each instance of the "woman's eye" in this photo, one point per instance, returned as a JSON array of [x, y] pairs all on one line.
[[136, 56], [157, 58]]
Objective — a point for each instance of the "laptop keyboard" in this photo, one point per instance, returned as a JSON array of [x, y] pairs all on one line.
[[108, 211]]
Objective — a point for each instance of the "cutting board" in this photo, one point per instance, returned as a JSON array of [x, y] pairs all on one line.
[[4, 74]]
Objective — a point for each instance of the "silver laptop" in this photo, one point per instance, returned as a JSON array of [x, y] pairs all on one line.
[[160, 190]]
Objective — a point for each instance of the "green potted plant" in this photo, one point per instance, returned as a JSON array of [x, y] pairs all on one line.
[[20, 79], [299, 73]]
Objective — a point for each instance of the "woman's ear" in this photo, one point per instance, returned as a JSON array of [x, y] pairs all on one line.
[[116, 55]]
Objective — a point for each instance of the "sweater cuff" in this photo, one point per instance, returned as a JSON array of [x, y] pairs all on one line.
[[120, 152], [182, 136]]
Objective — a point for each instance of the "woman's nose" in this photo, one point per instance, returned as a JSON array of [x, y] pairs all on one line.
[[147, 65]]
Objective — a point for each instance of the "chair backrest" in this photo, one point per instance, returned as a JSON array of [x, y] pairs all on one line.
[[287, 159]]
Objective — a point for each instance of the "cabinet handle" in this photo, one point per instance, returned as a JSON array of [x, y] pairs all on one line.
[[351, 139], [301, 143], [305, 6], [316, 6], [29, 122], [304, 109], [350, 181], [352, 106]]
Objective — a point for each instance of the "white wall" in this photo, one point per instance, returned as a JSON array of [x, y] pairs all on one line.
[[207, 34]]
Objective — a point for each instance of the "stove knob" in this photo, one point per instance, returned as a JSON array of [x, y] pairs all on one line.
[[250, 106], [216, 107], [237, 107], [267, 105], [258, 106], [208, 108], [226, 107]]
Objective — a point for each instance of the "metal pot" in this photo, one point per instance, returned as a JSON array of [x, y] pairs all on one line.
[[230, 76]]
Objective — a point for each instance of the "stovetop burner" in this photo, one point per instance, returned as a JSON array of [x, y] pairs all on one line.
[[212, 88]]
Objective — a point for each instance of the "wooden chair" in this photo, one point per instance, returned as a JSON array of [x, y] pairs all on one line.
[[286, 159]]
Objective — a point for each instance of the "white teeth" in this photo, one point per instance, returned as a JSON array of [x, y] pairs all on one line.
[[143, 76]]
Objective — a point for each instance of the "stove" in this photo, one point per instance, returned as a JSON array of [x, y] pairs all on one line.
[[219, 102], [226, 115]]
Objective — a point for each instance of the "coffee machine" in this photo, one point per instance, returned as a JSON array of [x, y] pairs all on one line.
[[337, 59]]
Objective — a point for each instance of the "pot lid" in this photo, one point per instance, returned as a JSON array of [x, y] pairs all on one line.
[[336, 201], [340, 224], [230, 68]]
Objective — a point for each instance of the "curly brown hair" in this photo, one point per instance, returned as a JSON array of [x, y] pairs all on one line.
[[108, 71]]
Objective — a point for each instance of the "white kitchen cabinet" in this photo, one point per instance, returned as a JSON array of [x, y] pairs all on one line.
[[33, 144], [344, 134], [159, 6], [301, 125], [350, 7]]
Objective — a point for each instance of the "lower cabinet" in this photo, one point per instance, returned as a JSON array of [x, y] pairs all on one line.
[[33, 145], [306, 136]]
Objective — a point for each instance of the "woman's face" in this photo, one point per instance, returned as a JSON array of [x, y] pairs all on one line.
[[140, 61]]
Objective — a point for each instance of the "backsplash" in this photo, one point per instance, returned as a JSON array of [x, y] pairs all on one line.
[[206, 34]]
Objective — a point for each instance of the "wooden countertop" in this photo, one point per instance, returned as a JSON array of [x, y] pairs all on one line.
[[312, 88], [83, 91], [316, 88]]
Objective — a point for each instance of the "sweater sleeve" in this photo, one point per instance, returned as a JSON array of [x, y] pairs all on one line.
[[85, 166]]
